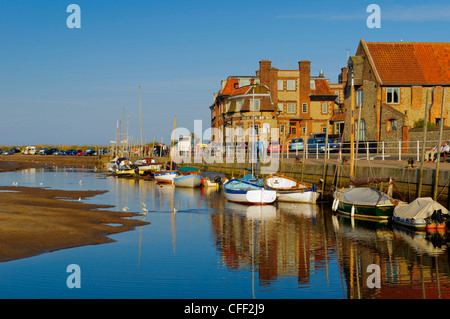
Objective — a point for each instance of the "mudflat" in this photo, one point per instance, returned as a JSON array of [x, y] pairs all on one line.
[[36, 220]]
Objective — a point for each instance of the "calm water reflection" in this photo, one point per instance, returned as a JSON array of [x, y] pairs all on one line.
[[198, 245]]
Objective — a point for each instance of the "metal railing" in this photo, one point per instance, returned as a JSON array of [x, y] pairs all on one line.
[[364, 150]]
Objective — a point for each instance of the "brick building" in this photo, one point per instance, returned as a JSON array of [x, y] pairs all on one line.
[[241, 108], [392, 83], [304, 103]]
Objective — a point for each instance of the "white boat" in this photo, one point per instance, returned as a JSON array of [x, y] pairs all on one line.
[[166, 176], [291, 190], [248, 190], [192, 179], [422, 213]]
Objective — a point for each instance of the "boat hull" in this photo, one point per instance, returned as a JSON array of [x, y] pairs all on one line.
[[165, 176], [307, 196], [366, 211], [192, 180], [291, 190], [248, 193]]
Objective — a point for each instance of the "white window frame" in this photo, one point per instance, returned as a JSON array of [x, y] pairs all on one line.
[[255, 105], [290, 108], [239, 104], [280, 107], [290, 85], [324, 108], [360, 98], [305, 108], [280, 85], [391, 90]]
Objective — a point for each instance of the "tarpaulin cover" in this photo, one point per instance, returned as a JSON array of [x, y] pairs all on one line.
[[365, 196], [420, 208]]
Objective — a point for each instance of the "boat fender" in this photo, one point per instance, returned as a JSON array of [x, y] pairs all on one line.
[[352, 213], [335, 204]]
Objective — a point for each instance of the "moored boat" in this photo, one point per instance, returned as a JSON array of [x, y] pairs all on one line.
[[422, 213], [166, 176], [291, 190], [248, 190], [213, 179], [364, 202], [192, 179]]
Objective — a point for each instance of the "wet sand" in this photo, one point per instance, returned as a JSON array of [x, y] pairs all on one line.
[[38, 220]]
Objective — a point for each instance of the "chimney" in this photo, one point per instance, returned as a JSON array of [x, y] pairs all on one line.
[[344, 74], [264, 72], [305, 77]]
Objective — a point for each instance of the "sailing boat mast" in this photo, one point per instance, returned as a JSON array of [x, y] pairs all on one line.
[[173, 139], [140, 114], [352, 128], [254, 132]]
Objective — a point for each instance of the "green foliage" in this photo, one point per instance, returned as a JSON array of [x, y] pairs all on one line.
[[419, 124]]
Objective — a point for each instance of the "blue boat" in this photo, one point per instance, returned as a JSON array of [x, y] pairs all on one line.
[[248, 190]]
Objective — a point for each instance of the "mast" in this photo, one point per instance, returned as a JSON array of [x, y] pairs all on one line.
[[140, 113], [352, 128], [171, 150]]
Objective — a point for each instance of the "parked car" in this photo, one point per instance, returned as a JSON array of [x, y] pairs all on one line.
[[275, 147], [296, 144], [9, 152], [90, 151], [80, 153], [45, 151], [318, 144], [59, 152], [1, 151], [30, 150], [71, 152]]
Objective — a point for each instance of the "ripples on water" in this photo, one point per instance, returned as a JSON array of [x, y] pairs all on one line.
[[198, 245]]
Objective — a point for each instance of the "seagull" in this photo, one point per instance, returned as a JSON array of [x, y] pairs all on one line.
[[125, 209], [79, 199], [80, 182], [40, 184], [15, 183]]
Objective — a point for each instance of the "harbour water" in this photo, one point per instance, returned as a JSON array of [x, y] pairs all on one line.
[[198, 245]]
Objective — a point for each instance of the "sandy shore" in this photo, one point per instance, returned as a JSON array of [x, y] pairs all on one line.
[[38, 220]]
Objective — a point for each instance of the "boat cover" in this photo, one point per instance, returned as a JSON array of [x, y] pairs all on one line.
[[365, 196], [420, 208], [213, 175]]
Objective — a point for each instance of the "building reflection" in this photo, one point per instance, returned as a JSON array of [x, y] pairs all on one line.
[[302, 240]]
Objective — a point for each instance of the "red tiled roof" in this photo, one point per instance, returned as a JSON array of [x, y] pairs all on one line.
[[322, 88], [229, 86], [411, 63]]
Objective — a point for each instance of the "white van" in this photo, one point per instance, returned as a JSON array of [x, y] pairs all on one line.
[[30, 150]]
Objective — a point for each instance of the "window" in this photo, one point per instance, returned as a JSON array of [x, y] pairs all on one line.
[[324, 129], [239, 130], [359, 98], [280, 107], [304, 129], [393, 95], [280, 85], [324, 108], [244, 82], [290, 85], [392, 125], [254, 104], [290, 107], [293, 129], [312, 84], [239, 104], [362, 130], [227, 106], [337, 97], [254, 130], [305, 108]]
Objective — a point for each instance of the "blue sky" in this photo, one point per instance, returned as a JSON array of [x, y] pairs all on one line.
[[70, 86]]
